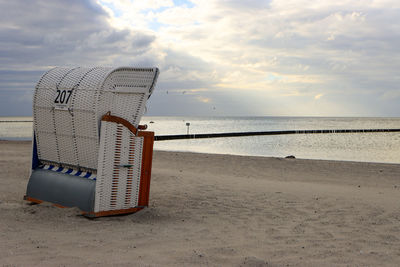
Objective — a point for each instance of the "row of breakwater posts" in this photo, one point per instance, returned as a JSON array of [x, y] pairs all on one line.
[[241, 134]]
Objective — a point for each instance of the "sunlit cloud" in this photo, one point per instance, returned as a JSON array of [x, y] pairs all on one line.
[[203, 99], [316, 97], [268, 57]]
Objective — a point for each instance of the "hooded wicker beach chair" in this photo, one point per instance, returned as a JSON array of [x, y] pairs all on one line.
[[89, 150]]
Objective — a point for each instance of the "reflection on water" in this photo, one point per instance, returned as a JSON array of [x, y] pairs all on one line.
[[16, 128], [370, 147]]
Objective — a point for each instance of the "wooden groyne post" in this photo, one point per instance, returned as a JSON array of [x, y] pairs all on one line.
[[238, 134]]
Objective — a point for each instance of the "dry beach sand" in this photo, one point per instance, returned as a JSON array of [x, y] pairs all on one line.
[[215, 210]]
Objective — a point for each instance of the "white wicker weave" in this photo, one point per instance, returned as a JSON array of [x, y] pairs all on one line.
[[68, 133], [73, 139], [118, 176]]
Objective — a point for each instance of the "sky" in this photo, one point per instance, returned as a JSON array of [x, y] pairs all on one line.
[[216, 57]]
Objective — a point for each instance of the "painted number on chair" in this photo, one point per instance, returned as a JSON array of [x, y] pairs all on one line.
[[62, 99]]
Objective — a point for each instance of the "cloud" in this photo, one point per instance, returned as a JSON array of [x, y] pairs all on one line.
[[266, 57], [36, 35], [316, 97], [346, 47], [203, 99]]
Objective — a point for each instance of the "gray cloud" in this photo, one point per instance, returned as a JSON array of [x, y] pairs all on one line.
[[183, 71], [230, 57], [36, 35]]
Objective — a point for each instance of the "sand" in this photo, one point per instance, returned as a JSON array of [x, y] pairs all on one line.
[[216, 210]]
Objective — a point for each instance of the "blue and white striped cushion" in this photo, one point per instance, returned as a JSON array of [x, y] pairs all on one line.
[[87, 175]]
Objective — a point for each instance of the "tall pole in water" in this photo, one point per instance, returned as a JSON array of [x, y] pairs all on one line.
[[188, 124]]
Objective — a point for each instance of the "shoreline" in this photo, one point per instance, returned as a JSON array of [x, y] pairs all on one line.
[[218, 210], [239, 155]]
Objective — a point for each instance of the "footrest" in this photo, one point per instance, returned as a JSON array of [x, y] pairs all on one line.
[[62, 189]]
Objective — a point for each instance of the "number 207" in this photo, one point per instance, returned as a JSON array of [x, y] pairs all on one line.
[[63, 96]]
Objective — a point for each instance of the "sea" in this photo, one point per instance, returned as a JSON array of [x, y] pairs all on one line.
[[383, 147]]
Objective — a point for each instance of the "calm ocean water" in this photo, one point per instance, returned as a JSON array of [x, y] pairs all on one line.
[[370, 147]]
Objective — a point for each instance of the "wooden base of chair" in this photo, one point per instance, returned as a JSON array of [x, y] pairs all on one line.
[[90, 214], [38, 201], [111, 212], [33, 200]]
